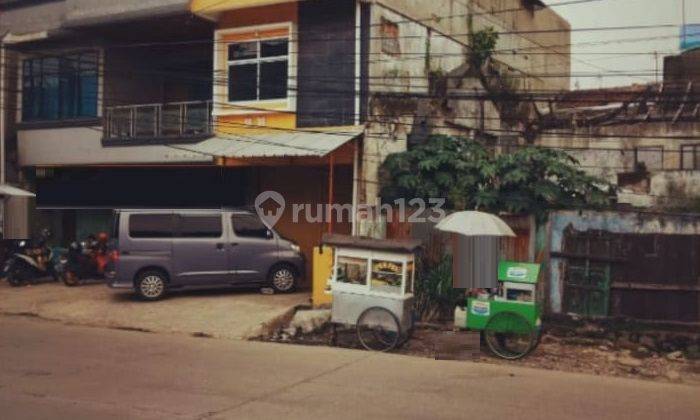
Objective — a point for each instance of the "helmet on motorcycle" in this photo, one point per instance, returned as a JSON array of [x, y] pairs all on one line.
[[102, 237]]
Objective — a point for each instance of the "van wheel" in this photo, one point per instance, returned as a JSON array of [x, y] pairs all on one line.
[[283, 278], [151, 285]]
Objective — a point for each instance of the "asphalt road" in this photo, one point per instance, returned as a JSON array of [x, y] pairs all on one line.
[[49, 370]]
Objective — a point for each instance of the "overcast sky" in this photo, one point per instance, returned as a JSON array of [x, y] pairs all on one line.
[[587, 61]]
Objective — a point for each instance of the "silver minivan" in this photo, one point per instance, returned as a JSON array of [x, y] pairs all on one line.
[[159, 250]]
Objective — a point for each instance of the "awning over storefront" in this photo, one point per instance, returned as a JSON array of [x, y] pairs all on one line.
[[10, 191], [277, 144]]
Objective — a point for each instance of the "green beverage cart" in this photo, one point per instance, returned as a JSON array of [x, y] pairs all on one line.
[[510, 317]]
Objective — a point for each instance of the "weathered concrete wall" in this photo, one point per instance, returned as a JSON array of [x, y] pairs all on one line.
[[540, 55], [606, 151], [157, 74], [675, 188], [609, 221]]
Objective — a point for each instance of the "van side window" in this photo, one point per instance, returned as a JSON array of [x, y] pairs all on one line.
[[200, 226], [249, 226], [151, 226]]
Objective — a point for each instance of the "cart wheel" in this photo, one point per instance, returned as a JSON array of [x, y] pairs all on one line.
[[510, 336], [378, 329]]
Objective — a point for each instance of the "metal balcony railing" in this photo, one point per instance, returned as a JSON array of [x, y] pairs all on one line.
[[174, 120]]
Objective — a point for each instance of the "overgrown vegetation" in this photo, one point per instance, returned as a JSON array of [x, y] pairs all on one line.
[[530, 180], [482, 45], [435, 296]]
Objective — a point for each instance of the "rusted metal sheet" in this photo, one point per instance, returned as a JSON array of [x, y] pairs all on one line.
[[648, 276], [398, 227], [518, 248]]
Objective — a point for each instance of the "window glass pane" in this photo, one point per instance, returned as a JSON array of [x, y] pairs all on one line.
[[27, 90], [38, 92], [242, 82], [351, 270], [519, 295], [69, 86], [87, 102], [200, 227], [60, 87], [386, 276], [243, 51], [151, 226], [249, 226], [51, 96], [87, 88], [88, 63], [273, 80], [274, 48]]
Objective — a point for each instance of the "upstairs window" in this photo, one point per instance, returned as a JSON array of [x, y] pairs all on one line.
[[59, 87], [690, 157], [258, 70]]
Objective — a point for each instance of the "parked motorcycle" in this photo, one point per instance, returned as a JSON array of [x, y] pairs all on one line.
[[85, 260], [30, 261]]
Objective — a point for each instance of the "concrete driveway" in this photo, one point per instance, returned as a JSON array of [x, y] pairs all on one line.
[[236, 314]]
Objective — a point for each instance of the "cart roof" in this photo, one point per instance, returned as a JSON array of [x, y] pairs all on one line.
[[405, 246]]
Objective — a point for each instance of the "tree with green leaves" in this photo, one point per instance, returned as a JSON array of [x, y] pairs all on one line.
[[530, 180]]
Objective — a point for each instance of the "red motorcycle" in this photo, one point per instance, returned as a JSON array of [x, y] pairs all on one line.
[[85, 260]]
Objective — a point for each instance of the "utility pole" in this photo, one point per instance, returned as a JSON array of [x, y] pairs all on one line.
[[656, 66]]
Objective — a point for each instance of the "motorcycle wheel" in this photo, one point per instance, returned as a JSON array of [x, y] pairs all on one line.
[[70, 279], [15, 277]]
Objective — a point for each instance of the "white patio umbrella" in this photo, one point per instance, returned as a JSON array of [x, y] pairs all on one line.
[[475, 223], [476, 247]]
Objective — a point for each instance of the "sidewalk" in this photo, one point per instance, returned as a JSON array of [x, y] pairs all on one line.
[[235, 314]]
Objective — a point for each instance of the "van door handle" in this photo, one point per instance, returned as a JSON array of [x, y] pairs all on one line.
[[220, 246], [234, 244]]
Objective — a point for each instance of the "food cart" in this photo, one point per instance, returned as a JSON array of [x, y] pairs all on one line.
[[508, 314], [372, 288]]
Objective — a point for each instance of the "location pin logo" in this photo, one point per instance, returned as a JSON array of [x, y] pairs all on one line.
[[270, 205]]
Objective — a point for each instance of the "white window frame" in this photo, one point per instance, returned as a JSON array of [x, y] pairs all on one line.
[[221, 48]]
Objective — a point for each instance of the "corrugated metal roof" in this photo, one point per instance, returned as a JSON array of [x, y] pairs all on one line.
[[276, 143]]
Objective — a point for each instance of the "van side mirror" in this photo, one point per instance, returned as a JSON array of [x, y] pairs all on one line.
[[270, 235]]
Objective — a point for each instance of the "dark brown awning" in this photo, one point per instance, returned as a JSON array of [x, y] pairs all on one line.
[[389, 245]]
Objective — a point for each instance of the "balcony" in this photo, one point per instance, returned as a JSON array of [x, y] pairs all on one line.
[[157, 123]]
